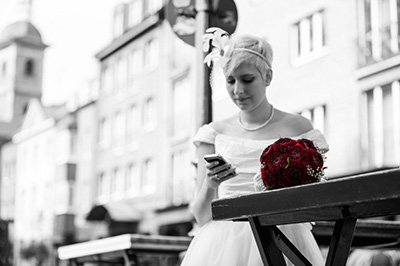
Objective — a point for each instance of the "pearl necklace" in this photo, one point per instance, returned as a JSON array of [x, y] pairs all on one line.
[[258, 127]]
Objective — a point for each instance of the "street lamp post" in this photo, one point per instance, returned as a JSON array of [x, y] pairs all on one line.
[[204, 92], [189, 20]]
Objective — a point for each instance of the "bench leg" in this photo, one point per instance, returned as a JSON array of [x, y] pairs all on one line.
[[264, 236], [340, 245], [290, 250]]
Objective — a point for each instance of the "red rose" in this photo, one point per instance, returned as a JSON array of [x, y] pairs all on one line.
[[288, 162]]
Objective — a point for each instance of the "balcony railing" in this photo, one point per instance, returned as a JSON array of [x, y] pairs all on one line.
[[379, 45]]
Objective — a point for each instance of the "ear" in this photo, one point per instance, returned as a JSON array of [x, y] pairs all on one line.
[[268, 77]]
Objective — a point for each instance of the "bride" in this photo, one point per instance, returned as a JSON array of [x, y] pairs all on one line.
[[240, 139]]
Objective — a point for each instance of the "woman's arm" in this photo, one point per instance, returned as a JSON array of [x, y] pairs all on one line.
[[205, 190]]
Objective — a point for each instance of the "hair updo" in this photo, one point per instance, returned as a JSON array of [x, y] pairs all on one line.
[[237, 54]]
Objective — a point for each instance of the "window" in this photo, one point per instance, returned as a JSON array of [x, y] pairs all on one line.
[[104, 187], [151, 54], [107, 78], [153, 6], [133, 181], [7, 106], [135, 12], [119, 17], [181, 186], [133, 124], [148, 181], [379, 30], [135, 66], [381, 141], [64, 146], [317, 115], [86, 144], [181, 108], [119, 128], [3, 69], [29, 68], [149, 114], [121, 74], [104, 133], [308, 37], [117, 183]]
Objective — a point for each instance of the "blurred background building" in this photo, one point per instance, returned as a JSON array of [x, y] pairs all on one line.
[[119, 159]]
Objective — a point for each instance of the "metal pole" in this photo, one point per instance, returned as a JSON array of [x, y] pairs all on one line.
[[204, 101]]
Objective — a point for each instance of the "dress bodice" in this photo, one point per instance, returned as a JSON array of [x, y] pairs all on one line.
[[244, 154]]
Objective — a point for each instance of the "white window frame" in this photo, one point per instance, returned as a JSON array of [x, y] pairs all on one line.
[[149, 115], [133, 127], [133, 180], [119, 18], [107, 79], [135, 12], [104, 133], [151, 54], [153, 6], [149, 176], [376, 18], [104, 186], [121, 75], [135, 67], [117, 183], [182, 183], [309, 46], [317, 116], [181, 108], [382, 147]]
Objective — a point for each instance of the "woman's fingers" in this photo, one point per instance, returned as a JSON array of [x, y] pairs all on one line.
[[223, 176], [215, 168]]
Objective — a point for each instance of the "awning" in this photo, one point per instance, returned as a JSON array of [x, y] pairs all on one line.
[[120, 211]]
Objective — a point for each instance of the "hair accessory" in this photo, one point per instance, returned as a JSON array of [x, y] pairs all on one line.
[[219, 40], [255, 53]]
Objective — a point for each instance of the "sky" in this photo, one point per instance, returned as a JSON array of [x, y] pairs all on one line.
[[75, 31]]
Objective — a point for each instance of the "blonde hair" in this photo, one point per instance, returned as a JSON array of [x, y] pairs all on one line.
[[249, 49]]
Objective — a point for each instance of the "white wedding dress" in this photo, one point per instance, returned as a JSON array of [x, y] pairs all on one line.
[[226, 243]]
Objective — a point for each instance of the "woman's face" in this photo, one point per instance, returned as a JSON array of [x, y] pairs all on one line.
[[246, 86]]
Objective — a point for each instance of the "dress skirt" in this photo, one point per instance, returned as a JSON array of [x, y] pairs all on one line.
[[225, 243]]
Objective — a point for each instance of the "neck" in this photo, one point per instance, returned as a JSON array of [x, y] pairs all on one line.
[[257, 115], [253, 121]]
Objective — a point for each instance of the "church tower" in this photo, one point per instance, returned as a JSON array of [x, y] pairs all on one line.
[[21, 67]]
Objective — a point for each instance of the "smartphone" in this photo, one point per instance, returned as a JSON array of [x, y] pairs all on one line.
[[215, 157]]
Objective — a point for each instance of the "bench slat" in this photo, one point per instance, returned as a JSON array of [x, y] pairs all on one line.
[[362, 196]]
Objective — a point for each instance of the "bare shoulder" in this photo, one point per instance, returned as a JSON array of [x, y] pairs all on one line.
[[223, 125], [296, 124]]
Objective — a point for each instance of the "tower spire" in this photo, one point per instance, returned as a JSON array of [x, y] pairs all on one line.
[[21, 10]]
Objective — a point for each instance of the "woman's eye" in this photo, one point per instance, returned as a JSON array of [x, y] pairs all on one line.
[[248, 80], [230, 81]]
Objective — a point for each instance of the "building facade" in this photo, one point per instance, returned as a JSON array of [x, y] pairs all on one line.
[[123, 161], [143, 151], [336, 63]]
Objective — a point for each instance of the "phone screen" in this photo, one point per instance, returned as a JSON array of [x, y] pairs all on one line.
[[215, 157]]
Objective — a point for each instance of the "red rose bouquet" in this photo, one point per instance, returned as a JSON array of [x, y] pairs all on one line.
[[289, 162]]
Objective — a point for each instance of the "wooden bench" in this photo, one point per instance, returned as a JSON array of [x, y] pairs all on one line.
[[369, 233], [124, 250], [341, 201]]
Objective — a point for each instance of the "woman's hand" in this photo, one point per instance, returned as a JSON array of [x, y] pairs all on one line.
[[216, 174]]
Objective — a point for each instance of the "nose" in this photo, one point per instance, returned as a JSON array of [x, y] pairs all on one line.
[[238, 88]]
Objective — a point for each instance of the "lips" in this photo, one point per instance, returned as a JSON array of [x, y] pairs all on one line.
[[241, 99]]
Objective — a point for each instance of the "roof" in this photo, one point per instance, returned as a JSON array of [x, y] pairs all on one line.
[[22, 31], [133, 33]]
